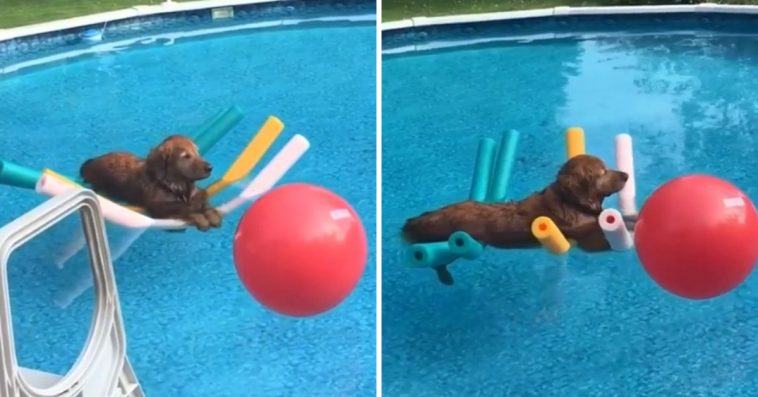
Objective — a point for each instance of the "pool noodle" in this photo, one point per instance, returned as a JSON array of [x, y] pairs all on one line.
[[271, 174], [250, 156], [206, 124], [431, 254], [482, 170], [17, 175], [503, 166], [575, 142], [548, 234], [50, 184], [614, 230], [625, 162], [213, 131], [465, 246], [481, 189]]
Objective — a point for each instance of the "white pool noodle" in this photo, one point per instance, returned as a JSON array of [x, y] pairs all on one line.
[[625, 162], [271, 174], [51, 186], [264, 181], [614, 229], [70, 249], [66, 297]]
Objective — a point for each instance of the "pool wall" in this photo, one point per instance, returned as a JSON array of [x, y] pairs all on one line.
[[30, 42], [414, 34]]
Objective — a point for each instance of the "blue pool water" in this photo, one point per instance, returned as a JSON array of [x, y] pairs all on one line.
[[192, 329], [524, 323]]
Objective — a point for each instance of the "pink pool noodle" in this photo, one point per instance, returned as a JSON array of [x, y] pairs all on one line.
[[614, 229]]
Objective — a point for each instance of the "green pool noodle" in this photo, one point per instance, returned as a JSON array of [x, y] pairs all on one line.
[[465, 246], [503, 166], [431, 254], [482, 170], [206, 124], [18, 176], [214, 130]]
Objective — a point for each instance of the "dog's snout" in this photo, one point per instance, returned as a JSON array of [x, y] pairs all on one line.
[[624, 176], [208, 167]]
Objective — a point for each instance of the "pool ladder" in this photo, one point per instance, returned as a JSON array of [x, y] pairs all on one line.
[[102, 369]]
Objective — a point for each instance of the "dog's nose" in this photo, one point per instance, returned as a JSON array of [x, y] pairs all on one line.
[[624, 175], [208, 167]]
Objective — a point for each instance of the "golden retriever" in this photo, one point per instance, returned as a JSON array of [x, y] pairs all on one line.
[[573, 201], [163, 183]]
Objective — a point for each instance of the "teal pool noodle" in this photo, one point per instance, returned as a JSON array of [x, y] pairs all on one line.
[[482, 170], [503, 166], [198, 130], [18, 175], [217, 128], [465, 246], [430, 254]]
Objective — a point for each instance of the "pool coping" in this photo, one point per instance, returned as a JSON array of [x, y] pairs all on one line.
[[424, 21], [117, 15]]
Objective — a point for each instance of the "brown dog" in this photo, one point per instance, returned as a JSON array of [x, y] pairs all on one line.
[[573, 202], [163, 183]]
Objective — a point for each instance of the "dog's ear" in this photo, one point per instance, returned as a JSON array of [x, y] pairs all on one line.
[[157, 163], [578, 189]]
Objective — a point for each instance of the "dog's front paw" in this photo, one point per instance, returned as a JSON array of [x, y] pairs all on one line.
[[200, 221], [213, 216]]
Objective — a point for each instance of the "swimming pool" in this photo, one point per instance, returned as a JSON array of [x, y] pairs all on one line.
[[192, 329], [525, 323]]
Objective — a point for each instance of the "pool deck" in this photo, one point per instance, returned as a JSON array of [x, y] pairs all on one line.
[[422, 21], [132, 12]]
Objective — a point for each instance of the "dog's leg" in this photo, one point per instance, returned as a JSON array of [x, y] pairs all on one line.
[[213, 216], [444, 275]]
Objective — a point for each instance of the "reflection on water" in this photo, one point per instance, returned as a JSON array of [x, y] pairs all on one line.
[[49, 335]]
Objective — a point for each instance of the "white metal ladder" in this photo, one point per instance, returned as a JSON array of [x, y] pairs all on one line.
[[102, 369]]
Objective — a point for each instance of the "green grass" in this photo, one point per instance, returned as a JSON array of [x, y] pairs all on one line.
[[25, 12], [401, 9]]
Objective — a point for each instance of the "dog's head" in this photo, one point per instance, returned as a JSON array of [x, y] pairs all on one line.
[[177, 159], [585, 181]]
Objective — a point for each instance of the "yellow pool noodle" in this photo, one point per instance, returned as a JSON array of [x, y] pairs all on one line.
[[67, 181], [548, 234], [574, 142], [250, 156], [59, 177]]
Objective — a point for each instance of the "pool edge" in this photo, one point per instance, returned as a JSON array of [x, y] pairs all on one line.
[[424, 21], [167, 7]]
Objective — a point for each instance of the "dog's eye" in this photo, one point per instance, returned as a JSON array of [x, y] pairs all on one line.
[[185, 155]]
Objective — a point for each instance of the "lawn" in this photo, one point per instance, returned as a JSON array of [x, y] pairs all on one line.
[[401, 9], [25, 12]]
